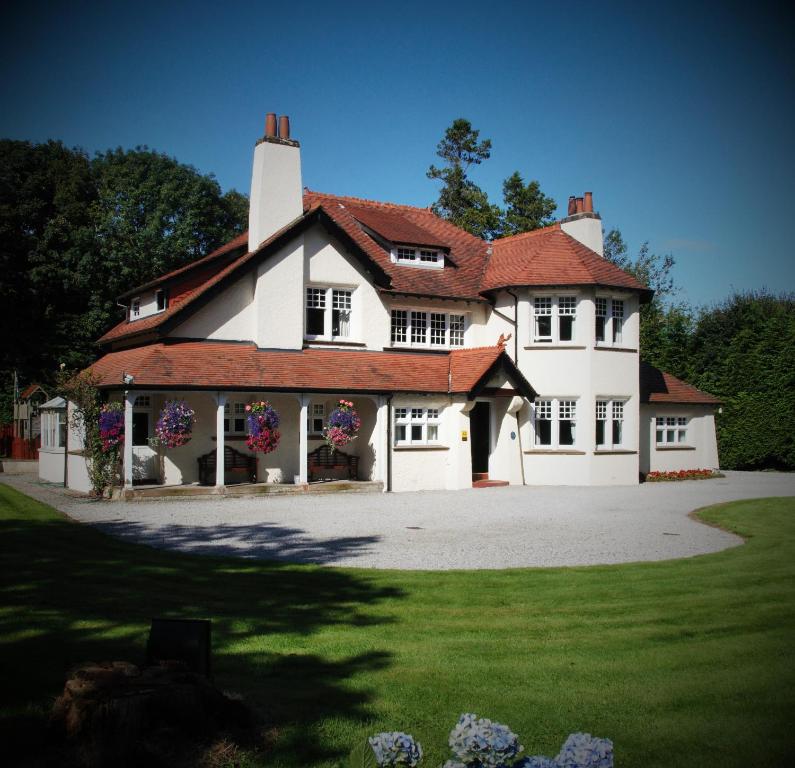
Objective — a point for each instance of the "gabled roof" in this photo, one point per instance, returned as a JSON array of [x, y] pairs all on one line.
[[657, 386], [225, 365], [30, 390], [550, 256]]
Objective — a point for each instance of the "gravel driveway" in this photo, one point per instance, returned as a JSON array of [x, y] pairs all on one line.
[[437, 530]]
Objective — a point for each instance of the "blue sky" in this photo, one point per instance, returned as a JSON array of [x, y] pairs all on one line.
[[678, 116]]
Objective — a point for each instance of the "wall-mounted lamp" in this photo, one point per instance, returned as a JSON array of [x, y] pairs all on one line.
[[127, 378]]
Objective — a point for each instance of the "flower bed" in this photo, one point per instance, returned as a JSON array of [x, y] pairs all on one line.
[[682, 474], [263, 423], [175, 425], [343, 424], [111, 426]]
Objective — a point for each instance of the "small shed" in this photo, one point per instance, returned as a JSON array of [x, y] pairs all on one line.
[[52, 415]]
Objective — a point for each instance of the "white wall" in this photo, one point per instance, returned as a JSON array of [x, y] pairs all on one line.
[[51, 465], [279, 299], [229, 316], [701, 450]]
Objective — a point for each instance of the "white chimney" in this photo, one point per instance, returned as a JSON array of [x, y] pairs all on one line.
[[583, 224], [276, 190]]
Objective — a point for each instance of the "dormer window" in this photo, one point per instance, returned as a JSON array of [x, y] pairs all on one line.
[[418, 257], [160, 298], [135, 308]]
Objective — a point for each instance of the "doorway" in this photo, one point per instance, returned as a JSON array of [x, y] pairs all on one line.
[[480, 439]]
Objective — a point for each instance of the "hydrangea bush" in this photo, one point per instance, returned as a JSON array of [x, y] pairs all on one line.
[[480, 743], [343, 424], [263, 423], [395, 748], [175, 425], [111, 426]]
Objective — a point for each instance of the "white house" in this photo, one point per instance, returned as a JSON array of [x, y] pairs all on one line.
[[514, 360]]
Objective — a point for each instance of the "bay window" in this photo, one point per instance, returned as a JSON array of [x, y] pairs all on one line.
[[554, 319], [555, 422], [609, 424]]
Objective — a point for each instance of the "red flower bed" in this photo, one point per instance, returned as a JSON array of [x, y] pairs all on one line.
[[682, 474]]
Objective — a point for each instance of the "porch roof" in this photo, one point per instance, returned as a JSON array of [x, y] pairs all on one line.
[[210, 365]]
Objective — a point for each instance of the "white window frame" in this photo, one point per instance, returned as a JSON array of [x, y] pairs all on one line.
[[615, 412], [558, 405], [234, 411], [330, 298], [315, 412], [135, 308], [417, 425], [558, 305], [417, 256], [675, 430], [412, 339], [53, 425], [615, 315]]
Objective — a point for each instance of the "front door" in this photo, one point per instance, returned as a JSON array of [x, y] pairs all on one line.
[[144, 457], [480, 437]]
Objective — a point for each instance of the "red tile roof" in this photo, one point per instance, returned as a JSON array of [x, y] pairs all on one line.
[[394, 226], [461, 279], [657, 386], [550, 256], [211, 365]]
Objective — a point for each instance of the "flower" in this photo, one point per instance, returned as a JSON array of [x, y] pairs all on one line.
[[343, 424], [111, 426], [395, 748], [581, 750], [263, 422], [174, 428], [481, 742]]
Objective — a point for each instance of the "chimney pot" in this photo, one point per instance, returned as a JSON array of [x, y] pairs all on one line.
[[284, 127], [588, 202], [579, 205], [572, 205], [270, 124]]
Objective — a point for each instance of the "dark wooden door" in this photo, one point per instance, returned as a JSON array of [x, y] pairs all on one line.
[[480, 437]]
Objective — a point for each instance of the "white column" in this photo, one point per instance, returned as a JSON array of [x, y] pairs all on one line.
[[382, 442], [129, 400], [220, 399], [303, 441]]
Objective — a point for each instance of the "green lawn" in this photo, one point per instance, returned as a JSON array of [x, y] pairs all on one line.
[[688, 662]]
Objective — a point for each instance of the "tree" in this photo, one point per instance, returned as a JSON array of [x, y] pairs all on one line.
[[467, 206], [75, 233], [526, 206], [743, 351], [665, 325]]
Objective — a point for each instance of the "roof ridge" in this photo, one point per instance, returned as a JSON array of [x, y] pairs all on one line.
[[366, 201]]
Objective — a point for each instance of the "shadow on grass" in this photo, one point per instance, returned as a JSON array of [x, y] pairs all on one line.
[[72, 594]]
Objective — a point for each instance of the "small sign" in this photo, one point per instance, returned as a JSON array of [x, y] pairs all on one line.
[[464, 436], [513, 435]]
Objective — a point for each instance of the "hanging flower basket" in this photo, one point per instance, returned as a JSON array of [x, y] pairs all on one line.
[[263, 422], [343, 424], [111, 426], [175, 425]]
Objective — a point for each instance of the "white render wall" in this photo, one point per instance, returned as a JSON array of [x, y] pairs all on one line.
[[279, 299], [701, 451], [229, 317]]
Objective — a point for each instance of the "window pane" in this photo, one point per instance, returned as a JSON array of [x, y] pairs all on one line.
[[419, 327], [456, 330], [566, 436], [416, 433], [617, 429], [405, 254], [543, 433], [400, 413], [399, 325], [400, 433], [315, 322], [316, 297], [433, 432], [543, 328], [438, 328], [240, 425], [161, 300], [600, 328], [340, 322], [600, 432], [428, 256], [566, 327], [416, 414]]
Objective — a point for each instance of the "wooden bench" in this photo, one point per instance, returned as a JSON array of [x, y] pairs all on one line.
[[322, 460], [234, 461]]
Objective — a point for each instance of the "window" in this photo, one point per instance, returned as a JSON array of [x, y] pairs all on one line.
[[143, 401], [416, 426], [54, 429], [317, 419], [609, 424], [610, 315], [555, 422], [671, 430], [234, 418], [160, 298], [418, 257], [419, 328], [135, 308], [554, 319], [328, 313]]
